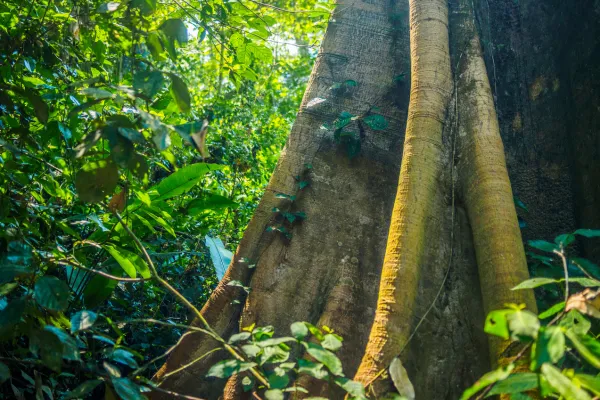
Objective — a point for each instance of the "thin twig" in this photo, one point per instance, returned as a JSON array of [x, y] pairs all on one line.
[[561, 254], [97, 272], [191, 362]]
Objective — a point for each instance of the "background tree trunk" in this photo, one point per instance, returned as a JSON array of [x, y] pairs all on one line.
[[329, 271]]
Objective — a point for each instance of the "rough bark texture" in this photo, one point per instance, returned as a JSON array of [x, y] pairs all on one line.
[[329, 271]]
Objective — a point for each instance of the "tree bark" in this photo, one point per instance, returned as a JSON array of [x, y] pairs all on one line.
[[410, 276]]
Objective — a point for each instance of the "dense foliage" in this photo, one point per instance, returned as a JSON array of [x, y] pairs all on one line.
[[169, 115]]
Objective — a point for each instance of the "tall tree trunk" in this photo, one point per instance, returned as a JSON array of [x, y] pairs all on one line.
[[454, 247]]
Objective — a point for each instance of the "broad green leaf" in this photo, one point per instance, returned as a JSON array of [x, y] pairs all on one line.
[[126, 389], [316, 370], [52, 293], [239, 337], [586, 346], [575, 321], [130, 262], [549, 347], [562, 384], [83, 320], [96, 180], [70, 350], [299, 330], [278, 379], [148, 82], [543, 245], [589, 382], [220, 256], [97, 94], [496, 323], [180, 93], [175, 30], [326, 357], [274, 394], [488, 379], [332, 342], [523, 324], [587, 265], [354, 388], [588, 233], [376, 122], [534, 282], [82, 390], [182, 180], [515, 383], [227, 368], [124, 357], [209, 202]]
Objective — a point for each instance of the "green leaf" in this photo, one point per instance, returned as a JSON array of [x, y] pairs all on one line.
[[586, 346], [299, 330], [126, 389], [4, 373], [586, 282], [313, 369], [534, 282], [575, 321], [523, 324], [220, 256], [326, 357], [274, 394], [210, 202], [589, 382], [175, 30], [515, 383], [124, 357], [180, 93], [83, 320], [376, 122], [496, 323], [52, 293], [565, 239], [182, 180], [555, 309], [332, 342], [97, 94], [130, 262], [588, 233], [488, 379], [543, 245], [148, 82], [82, 390], [96, 180], [70, 350], [239, 337], [549, 347], [227, 368], [587, 266], [278, 379], [562, 384], [355, 389]]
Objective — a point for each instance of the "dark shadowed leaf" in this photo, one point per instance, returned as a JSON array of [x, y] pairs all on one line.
[[96, 180], [82, 390], [126, 389], [180, 93], [52, 293], [487, 379]]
